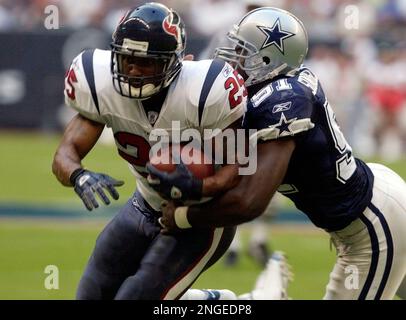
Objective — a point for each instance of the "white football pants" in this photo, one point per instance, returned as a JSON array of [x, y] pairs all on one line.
[[371, 251]]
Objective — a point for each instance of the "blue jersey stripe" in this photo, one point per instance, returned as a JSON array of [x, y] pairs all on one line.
[[214, 70], [389, 254], [374, 259], [87, 61]]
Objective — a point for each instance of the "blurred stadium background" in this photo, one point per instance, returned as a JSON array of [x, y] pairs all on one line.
[[362, 66]]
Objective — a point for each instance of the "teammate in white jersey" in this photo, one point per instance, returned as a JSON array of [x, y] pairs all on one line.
[[152, 87]]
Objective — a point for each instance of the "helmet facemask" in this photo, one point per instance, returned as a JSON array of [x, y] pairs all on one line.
[[246, 57], [162, 66]]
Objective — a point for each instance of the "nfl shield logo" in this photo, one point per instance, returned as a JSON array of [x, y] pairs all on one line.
[[152, 116]]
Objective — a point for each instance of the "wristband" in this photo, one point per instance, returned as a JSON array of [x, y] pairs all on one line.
[[76, 173], [181, 220]]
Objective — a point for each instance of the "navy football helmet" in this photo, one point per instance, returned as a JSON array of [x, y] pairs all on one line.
[[147, 50]]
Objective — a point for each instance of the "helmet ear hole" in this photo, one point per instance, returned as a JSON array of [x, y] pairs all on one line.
[[266, 60]]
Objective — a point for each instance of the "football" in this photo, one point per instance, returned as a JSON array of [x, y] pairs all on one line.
[[194, 158]]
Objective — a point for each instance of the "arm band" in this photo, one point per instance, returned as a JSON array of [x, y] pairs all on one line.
[[181, 218]]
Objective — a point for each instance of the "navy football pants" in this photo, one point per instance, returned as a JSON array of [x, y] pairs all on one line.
[[132, 260]]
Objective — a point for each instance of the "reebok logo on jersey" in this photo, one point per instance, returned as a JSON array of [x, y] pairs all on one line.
[[282, 107]]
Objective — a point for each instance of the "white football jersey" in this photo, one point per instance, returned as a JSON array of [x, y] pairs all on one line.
[[206, 94]]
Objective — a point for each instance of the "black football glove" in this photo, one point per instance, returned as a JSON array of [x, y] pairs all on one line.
[[180, 184], [86, 183]]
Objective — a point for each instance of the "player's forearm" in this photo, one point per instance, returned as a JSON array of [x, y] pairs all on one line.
[[66, 161], [79, 137], [241, 204], [225, 179], [234, 207], [250, 197]]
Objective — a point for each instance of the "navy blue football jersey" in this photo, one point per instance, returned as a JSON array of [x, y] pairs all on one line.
[[323, 179]]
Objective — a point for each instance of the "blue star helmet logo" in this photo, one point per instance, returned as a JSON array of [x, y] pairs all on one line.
[[275, 36]]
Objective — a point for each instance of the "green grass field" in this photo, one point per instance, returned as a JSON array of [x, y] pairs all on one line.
[[28, 245], [26, 176]]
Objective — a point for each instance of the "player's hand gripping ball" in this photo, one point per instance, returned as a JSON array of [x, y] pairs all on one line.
[[177, 172]]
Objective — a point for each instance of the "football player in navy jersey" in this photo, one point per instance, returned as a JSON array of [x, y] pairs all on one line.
[[302, 153]]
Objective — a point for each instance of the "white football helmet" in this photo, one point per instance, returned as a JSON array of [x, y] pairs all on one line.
[[268, 42]]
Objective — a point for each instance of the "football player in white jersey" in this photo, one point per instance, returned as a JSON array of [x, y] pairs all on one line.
[[143, 84]]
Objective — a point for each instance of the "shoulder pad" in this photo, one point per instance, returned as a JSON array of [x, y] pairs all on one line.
[[280, 109], [215, 92], [223, 96], [80, 92]]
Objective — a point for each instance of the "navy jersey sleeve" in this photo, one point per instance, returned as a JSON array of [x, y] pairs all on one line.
[[281, 109]]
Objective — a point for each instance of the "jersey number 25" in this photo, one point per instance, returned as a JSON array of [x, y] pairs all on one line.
[[235, 83]]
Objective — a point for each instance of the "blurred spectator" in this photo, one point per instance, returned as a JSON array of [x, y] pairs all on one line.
[[78, 13], [386, 90], [355, 74], [210, 16], [21, 14], [355, 18], [321, 13], [219, 36], [342, 85]]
